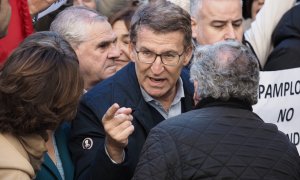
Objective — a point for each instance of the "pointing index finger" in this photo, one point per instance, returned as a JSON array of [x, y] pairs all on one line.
[[110, 113]]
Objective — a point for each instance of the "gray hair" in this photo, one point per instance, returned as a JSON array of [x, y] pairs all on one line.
[[162, 17], [73, 22], [196, 5], [225, 70], [185, 4]]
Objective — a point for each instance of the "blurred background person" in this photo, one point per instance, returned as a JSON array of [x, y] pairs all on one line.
[[250, 10], [219, 20], [93, 40], [87, 3], [20, 25], [104, 7], [5, 14], [286, 40], [110, 7], [43, 23], [40, 86], [121, 23]]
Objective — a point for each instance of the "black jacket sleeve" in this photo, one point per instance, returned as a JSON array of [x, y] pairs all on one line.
[[91, 162]]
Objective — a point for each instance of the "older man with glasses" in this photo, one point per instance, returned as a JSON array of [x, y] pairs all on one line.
[[153, 88]]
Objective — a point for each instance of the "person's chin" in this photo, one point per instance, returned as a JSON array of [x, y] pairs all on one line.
[[121, 64], [120, 61], [111, 69]]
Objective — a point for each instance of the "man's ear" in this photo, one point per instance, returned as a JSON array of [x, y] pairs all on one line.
[[132, 52], [188, 55], [194, 27], [196, 97]]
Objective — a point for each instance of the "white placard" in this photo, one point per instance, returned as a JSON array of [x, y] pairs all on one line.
[[279, 101]]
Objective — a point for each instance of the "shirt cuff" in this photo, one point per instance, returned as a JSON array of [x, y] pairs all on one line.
[[123, 156]]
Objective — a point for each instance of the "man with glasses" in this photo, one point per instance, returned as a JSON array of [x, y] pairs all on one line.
[[153, 88]]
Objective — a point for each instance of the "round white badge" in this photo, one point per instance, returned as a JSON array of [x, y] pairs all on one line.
[[87, 143]]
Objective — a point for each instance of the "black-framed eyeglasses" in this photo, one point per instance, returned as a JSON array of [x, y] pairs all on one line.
[[168, 58]]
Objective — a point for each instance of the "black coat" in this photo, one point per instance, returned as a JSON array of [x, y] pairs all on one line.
[[221, 140], [122, 88], [286, 40]]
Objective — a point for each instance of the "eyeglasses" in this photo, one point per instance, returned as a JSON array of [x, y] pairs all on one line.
[[148, 57]]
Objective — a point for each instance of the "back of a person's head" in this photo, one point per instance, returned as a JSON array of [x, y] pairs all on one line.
[[162, 17], [73, 22], [225, 70], [40, 85]]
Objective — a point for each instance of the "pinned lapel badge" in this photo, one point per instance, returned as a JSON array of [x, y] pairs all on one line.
[[87, 143]]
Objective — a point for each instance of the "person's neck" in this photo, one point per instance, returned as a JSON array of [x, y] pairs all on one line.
[[167, 100]]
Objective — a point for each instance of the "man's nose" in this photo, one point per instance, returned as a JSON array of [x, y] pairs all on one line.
[[230, 33], [157, 66], [114, 51]]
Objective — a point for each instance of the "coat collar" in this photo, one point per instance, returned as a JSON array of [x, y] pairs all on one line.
[[61, 142], [232, 102]]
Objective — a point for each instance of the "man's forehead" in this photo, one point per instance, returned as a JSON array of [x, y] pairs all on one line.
[[222, 10], [160, 41], [100, 30]]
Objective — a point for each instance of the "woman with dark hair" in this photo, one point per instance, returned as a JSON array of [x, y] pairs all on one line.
[[120, 23], [40, 86]]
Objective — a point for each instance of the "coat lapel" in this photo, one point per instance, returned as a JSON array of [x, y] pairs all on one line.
[[50, 166], [62, 146], [143, 113]]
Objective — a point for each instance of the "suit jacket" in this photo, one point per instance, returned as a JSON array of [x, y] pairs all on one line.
[[221, 140], [122, 88], [49, 170]]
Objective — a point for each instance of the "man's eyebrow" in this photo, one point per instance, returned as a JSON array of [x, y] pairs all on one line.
[[125, 35], [164, 52], [144, 49], [218, 21], [106, 42], [238, 20]]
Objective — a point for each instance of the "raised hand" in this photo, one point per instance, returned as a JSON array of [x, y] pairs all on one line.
[[117, 123]]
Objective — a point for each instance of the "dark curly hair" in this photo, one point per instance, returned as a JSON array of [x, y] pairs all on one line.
[[40, 85]]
